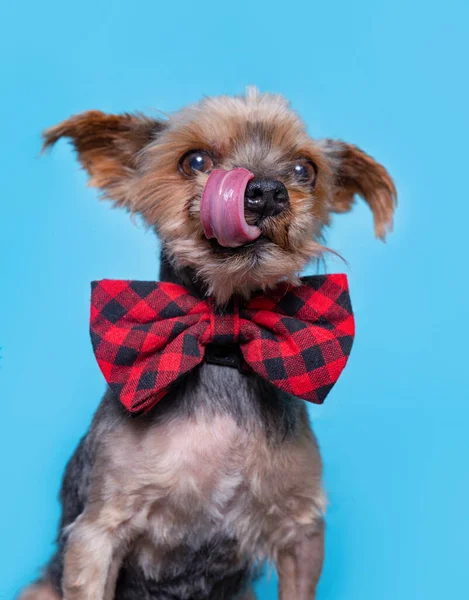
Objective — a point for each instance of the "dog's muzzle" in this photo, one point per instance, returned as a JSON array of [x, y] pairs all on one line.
[[226, 196]]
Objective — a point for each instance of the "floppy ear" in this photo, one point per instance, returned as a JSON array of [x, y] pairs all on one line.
[[107, 146], [357, 173]]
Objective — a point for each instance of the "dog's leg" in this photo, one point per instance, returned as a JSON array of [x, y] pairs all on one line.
[[42, 590], [114, 570], [293, 527], [299, 567], [95, 540]]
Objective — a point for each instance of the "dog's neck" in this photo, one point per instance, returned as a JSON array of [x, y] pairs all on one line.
[[183, 276]]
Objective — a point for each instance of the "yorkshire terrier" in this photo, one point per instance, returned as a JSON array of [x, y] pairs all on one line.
[[188, 500]]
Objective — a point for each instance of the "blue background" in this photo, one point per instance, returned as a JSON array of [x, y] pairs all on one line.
[[389, 76]]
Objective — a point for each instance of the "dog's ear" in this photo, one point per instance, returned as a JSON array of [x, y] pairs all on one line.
[[107, 146], [355, 172]]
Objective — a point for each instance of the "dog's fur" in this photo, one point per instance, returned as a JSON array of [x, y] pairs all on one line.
[[187, 501]]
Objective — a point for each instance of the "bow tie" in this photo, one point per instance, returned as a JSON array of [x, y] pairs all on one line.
[[147, 335]]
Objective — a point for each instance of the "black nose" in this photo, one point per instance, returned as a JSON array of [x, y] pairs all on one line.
[[265, 197]]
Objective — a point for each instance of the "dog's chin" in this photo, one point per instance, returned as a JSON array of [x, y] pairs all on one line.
[[247, 269], [244, 270], [250, 249]]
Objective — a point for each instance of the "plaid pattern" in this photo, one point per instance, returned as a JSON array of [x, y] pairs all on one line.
[[147, 335]]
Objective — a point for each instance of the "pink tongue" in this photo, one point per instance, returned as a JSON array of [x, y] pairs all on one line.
[[222, 208]]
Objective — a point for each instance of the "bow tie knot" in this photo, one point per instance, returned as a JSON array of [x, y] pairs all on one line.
[[224, 324], [147, 335]]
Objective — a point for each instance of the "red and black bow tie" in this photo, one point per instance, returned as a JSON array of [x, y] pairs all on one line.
[[147, 335]]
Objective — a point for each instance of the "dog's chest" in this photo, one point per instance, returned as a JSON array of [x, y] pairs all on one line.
[[190, 480], [199, 461], [197, 458], [204, 468]]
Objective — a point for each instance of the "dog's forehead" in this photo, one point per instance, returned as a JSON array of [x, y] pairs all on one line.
[[253, 120]]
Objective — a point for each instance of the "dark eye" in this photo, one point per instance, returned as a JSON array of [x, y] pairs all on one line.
[[196, 161], [305, 171]]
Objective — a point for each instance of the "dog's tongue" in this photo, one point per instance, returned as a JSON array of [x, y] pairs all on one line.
[[222, 208]]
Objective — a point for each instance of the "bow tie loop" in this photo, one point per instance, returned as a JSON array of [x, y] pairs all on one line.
[[224, 323]]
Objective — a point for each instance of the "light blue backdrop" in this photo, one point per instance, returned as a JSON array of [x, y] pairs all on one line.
[[390, 76]]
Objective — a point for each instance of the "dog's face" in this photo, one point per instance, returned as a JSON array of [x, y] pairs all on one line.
[[160, 169]]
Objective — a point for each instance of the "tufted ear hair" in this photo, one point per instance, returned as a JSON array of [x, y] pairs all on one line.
[[358, 173], [107, 146]]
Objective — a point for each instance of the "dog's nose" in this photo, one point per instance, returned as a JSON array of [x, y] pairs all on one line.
[[265, 197]]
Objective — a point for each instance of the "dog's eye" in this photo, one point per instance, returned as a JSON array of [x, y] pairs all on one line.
[[196, 161], [305, 171]]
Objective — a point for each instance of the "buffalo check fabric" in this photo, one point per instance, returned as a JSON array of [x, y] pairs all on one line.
[[148, 335]]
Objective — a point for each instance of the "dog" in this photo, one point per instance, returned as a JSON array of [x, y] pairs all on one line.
[[189, 499]]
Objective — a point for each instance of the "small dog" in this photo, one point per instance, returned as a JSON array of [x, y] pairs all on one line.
[[188, 500]]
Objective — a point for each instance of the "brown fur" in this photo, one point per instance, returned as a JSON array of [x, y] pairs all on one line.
[[151, 484], [358, 173], [133, 160], [299, 567]]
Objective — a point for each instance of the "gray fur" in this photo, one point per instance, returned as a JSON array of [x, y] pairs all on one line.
[[202, 568]]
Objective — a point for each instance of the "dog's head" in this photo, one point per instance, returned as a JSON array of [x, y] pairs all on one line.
[[288, 184]]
